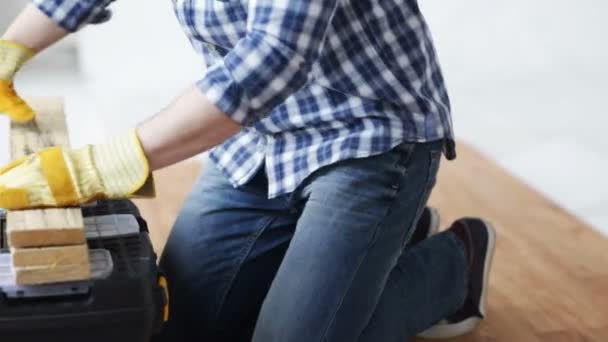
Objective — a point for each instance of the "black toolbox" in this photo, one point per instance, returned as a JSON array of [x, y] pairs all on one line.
[[124, 301]]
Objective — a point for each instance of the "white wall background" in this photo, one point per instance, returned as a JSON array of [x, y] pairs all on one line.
[[139, 50], [527, 81], [9, 9], [66, 49]]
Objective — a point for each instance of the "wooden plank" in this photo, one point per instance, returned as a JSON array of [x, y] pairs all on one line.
[[49, 256], [48, 227], [44, 274], [549, 276], [49, 129], [45, 227]]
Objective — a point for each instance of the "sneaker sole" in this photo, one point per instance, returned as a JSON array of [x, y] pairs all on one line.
[[448, 330], [487, 266], [434, 224]]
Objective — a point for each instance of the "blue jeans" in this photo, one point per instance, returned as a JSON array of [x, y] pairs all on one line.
[[324, 263]]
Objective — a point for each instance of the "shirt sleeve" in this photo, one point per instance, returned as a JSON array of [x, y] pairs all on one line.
[[272, 61], [72, 15]]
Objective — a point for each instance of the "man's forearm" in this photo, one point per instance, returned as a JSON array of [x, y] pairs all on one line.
[[187, 127], [190, 125], [34, 29]]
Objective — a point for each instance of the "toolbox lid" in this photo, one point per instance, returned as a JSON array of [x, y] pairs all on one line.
[[110, 226]]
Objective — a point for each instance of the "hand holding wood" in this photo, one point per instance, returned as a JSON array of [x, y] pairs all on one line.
[[60, 177]]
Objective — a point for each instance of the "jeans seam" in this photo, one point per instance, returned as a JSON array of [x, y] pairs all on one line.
[[426, 193], [371, 244], [335, 313], [402, 163], [246, 251]]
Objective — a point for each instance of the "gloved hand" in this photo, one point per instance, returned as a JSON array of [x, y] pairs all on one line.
[[12, 57], [67, 177]]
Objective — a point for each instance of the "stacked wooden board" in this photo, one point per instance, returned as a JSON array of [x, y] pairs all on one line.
[[47, 245]]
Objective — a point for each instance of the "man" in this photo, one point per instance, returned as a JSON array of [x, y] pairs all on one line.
[[326, 121]]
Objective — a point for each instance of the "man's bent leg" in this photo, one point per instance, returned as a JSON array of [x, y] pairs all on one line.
[[221, 257], [357, 217], [428, 283]]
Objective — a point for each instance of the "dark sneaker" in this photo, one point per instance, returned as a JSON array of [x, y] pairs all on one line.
[[479, 239], [427, 225]]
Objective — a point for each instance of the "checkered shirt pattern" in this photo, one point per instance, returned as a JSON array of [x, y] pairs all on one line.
[[313, 82]]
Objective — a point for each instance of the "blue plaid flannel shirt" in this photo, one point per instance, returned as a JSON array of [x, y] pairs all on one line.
[[312, 81]]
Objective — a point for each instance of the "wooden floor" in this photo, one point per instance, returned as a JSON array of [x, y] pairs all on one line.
[[550, 276]]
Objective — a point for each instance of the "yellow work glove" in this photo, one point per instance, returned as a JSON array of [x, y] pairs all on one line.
[[12, 57], [59, 177]]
